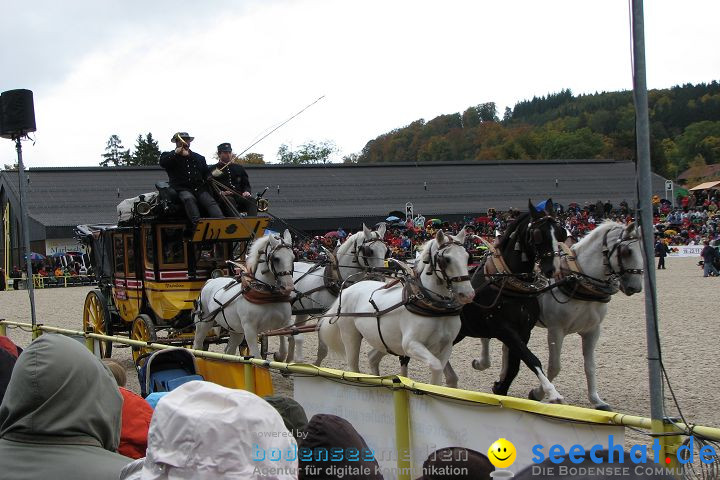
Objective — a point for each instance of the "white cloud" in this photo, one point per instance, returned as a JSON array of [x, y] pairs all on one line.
[[233, 73]]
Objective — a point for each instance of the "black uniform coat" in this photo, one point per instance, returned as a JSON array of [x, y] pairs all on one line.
[[187, 173], [235, 177]]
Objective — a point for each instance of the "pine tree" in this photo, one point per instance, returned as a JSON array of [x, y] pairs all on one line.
[[113, 154], [147, 151]]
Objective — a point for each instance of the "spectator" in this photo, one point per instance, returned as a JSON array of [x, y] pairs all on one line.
[[204, 431], [154, 398], [60, 417], [291, 412], [709, 254], [136, 415], [445, 463], [661, 251], [16, 275], [330, 431], [9, 353]]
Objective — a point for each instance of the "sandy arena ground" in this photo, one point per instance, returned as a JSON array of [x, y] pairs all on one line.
[[688, 306]]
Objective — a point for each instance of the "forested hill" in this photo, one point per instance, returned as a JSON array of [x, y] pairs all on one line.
[[685, 130]]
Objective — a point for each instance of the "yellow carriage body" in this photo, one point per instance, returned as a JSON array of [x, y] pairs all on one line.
[[156, 271]]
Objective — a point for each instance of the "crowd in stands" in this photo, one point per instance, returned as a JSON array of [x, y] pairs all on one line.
[[688, 224]]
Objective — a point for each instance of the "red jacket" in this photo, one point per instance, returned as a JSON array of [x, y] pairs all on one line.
[[136, 415]]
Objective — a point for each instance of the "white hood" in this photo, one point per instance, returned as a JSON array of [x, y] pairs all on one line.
[[204, 431]]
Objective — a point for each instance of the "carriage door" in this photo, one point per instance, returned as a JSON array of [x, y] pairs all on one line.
[[132, 279], [125, 289]]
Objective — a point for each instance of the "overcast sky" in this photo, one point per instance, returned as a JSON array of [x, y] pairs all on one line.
[[230, 70]]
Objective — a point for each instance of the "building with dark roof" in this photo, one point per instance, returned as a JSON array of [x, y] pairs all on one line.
[[324, 197]]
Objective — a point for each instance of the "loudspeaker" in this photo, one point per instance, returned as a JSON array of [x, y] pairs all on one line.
[[17, 113]]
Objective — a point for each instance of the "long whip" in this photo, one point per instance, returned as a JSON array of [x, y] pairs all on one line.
[[271, 131]]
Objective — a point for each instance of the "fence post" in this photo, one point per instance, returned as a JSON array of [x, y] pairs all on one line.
[[36, 332], [669, 443], [90, 344], [402, 433], [249, 378]]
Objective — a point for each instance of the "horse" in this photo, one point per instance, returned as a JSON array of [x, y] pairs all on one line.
[[605, 261], [373, 311], [506, 305], [261, 301], [317, 284]]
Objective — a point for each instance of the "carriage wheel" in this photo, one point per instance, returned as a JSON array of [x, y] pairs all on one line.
[[96, 319], [143, 329]]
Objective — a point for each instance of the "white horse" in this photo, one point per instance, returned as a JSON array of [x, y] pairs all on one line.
[[607, 259], [223, 300], [358, 254], [443, 273]]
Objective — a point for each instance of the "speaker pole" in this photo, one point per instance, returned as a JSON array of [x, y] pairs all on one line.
[[25, 229]]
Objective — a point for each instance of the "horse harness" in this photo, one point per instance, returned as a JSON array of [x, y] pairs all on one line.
[[498, 276], [622, 247], [252, 289], [416, 298], [591, 289], [585, 287], [332, 280]]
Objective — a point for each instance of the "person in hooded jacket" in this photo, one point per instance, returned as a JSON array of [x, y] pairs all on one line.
[[60, 417], [326, 432], [203, 431], [136, 415], [9, 353]]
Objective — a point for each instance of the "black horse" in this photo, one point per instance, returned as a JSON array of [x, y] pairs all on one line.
[[505, 305]]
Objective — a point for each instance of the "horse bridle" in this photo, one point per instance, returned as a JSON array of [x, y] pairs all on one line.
[[622, 247], [269, 254], [364, 249], [535, 236], [439, 263]]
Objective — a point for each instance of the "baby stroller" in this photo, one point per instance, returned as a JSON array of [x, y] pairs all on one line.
[[165, 370]]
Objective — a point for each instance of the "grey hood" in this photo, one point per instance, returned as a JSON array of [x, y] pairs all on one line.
[[60, 393]]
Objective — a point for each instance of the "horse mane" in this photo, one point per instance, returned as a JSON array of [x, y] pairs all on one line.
[[512, 228], [347, 244], [599, 230], [257, 247], [419, 263]]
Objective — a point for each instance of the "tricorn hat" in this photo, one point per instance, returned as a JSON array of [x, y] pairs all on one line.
[[224, 147], [184, 135]]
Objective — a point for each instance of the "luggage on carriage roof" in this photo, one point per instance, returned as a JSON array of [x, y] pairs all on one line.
[[165, 370]]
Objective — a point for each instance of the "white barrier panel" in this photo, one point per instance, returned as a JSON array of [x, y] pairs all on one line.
[[437, 422], [369, 409], [685, 250]]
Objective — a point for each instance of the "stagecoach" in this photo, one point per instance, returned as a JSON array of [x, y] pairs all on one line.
[[151, 266]]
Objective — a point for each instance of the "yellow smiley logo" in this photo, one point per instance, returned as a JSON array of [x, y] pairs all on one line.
[[502, 453]]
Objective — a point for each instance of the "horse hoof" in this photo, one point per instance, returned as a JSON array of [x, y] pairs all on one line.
[[480, 365], [277, 357], [557, 401], [532, 396], [498, 390], [604, 408]]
